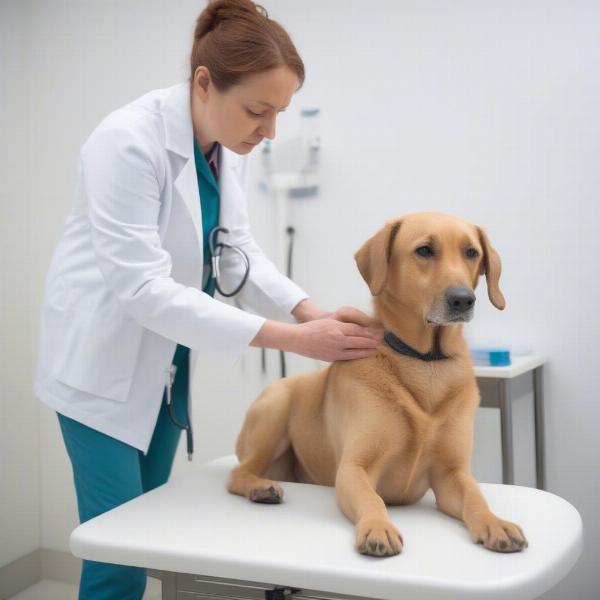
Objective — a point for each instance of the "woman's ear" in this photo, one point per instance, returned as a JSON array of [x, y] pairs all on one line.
[[491, 267], [373, 256], [201, 82]]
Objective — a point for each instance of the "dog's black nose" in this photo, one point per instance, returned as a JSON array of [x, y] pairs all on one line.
[[460, 299]]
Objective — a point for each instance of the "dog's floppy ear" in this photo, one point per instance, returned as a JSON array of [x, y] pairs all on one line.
[[373, 256], [491, 267]]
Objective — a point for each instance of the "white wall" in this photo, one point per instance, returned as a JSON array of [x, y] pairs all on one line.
[[490, 111], [19, 412], [485, 110]]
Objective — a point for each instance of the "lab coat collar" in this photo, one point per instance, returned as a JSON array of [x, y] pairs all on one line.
[[179, 135], [176, 113], [179, 139]]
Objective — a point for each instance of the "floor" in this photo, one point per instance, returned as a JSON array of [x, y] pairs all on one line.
[[54, 590]]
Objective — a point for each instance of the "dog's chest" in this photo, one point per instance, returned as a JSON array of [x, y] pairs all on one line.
[[417, 426], [405, 471], [429, 385]]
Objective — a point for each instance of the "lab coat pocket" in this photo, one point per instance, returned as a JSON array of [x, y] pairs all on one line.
[[96, 351]]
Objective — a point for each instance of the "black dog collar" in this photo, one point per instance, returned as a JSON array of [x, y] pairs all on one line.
[[395, 343]]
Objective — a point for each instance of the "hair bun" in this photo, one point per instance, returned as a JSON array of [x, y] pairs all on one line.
[[218, 11], [234, 39]]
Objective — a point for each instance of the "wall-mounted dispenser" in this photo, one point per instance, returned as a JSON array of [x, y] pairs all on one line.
[[290, 171]]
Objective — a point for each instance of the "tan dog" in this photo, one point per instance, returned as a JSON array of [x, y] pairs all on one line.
[[385, 429]]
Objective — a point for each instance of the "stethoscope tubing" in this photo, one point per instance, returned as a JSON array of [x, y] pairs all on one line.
[[186, 426], [216, 249]]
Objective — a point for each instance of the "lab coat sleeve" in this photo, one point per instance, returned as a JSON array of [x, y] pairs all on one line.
[[267, 291], [122, 181]]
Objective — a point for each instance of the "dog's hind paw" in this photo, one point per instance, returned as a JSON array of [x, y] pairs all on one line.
[[271, 493]]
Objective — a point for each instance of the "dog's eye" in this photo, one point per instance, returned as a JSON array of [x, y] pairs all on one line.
[[472, 253], [425, 251]]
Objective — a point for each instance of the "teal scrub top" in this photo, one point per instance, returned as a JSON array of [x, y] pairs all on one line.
[[210, 204]]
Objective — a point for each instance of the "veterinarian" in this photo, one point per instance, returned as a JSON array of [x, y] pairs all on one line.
[[130, 289]]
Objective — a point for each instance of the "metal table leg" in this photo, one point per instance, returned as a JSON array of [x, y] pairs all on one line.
[[508, 467], [538, 402], [168, 582]]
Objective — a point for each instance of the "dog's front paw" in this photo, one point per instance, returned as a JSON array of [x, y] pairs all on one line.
[[378, 537], [498, 535]]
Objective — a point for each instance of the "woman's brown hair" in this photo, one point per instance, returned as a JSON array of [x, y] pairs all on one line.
[[236, 38]]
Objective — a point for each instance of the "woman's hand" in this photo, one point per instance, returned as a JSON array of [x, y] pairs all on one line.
[[347, 333], [307, 310], [349, 314], [332, 339]]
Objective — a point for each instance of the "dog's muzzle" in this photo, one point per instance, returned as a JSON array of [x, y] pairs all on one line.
[[457, 307]]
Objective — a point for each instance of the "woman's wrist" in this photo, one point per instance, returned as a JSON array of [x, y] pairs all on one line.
[[307, 310], [275, 334]]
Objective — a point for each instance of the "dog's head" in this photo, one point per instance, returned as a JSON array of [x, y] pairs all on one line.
[[431, 262]]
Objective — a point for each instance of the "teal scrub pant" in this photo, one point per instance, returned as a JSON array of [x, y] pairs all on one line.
[[107, 473]]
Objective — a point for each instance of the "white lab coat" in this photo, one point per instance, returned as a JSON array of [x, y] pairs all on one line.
[[124, 284]]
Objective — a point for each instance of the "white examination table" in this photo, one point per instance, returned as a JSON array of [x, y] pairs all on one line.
[[211, 544]]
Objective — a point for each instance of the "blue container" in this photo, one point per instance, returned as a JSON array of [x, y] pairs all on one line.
[[493, 357]]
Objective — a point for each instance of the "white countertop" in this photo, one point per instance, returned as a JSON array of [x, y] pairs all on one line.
[[520, 364], [193, 525]]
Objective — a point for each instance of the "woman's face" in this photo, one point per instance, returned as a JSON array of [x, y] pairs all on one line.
[[242, 116]]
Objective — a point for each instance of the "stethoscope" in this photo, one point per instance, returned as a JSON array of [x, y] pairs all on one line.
[[186, 426], [216, 250]]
